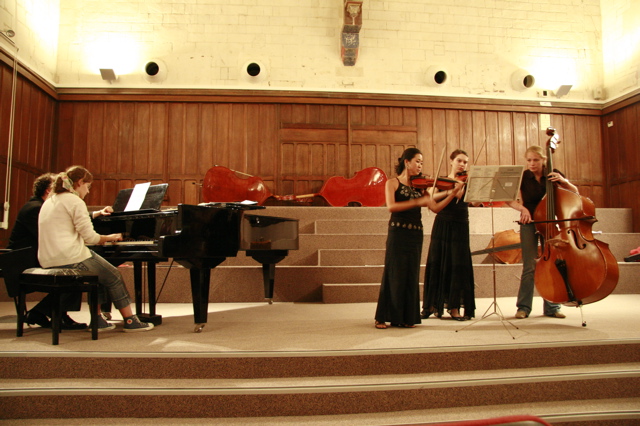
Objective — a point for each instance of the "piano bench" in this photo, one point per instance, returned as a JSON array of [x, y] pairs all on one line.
[[57, 281]]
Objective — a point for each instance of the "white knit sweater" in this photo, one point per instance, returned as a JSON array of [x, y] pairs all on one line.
[[64, 230]]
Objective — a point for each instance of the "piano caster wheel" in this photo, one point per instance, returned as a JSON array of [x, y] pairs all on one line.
[[198, 328], [270, 301]]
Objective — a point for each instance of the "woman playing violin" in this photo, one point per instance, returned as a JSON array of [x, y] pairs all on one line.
[[448, 279], [532, 190], [399, 298]]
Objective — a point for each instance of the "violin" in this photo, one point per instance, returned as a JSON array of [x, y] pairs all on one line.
[[442, 183]]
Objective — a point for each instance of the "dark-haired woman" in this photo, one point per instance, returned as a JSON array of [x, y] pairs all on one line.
[[399, 298], [65, 228], [448, 278]]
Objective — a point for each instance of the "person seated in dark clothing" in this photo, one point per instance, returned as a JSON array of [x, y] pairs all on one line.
[[25, 234]]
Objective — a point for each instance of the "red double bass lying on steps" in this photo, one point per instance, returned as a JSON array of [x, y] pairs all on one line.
[[574, 268], [366, 188]]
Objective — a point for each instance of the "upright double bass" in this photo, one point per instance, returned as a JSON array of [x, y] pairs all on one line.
[[574, 268]]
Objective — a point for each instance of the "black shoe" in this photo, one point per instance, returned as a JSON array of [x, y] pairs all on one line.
[[67, 323], [36, 317]]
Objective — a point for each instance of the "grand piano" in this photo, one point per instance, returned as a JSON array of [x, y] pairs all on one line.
[[199, 237]]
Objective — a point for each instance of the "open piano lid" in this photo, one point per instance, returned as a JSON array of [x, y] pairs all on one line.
[[152, 200]]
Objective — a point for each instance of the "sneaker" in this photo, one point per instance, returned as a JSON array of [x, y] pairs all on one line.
[[557, 314], [103, 325], [133, 324], [521, 314]]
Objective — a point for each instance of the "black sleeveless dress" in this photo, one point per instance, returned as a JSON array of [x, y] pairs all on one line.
[[448, 279], [399, 299]]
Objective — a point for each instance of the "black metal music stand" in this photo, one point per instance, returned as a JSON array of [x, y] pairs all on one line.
[[490, 184]]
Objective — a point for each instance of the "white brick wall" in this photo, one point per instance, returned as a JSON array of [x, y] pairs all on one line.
[[207, 44]]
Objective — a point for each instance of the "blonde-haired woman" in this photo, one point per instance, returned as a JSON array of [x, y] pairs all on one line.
[[532, 189], [65, 228]]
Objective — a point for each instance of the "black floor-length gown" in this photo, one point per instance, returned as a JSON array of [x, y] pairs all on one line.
[[448, 279], [399, 299]]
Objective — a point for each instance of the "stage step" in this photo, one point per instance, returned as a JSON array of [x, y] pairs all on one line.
[[151, 385], [204, 398]]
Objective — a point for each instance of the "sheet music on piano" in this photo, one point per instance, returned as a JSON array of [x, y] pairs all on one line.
[[143, 198]]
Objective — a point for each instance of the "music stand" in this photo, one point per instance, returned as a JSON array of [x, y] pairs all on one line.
[[489, 184]]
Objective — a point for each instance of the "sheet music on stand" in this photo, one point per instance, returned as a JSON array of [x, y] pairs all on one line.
[[488, 184], [493, 183]]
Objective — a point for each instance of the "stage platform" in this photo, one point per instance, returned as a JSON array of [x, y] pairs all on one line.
[[332, 367]]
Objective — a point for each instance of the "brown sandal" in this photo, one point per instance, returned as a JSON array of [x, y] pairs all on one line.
[[380, 325]]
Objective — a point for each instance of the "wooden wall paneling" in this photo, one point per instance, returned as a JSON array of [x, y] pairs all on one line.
[[64, 139], [383, 116], [97, 149], [20, 125], [111, 132], [533, 134], [191, 142], [175, 142], [466, 135], [5, 106], [480, 142], [493, 138], [520, 137], [453, 133], [141, 141], [126, 140], [506, 130], [238, 138], [424, 142], [438, 132], [222, 131], [206, 154]]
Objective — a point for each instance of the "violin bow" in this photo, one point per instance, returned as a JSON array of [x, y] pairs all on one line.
[[435, 180], [477, 156]]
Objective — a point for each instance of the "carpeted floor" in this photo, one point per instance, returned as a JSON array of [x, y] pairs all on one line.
[[294, 327]]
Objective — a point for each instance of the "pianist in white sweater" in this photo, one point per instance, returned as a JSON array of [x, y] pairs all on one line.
[[65, 229]]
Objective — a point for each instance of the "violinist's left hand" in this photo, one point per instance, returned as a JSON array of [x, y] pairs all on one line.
[[458, 189]]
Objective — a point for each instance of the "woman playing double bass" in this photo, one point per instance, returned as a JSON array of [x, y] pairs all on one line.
[[532, 190]]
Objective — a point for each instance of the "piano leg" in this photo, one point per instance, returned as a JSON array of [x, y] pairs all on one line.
[[268, 258], [200, 278], [268, 276], [151, 289]]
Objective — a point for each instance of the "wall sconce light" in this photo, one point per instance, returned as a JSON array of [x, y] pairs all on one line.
[[108, 74], [563, 90], [522, 80]]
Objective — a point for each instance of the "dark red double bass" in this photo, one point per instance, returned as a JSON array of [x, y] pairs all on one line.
[[366, 188], [574, 268]]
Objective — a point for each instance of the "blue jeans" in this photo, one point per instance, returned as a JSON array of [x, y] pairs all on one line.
[[529, 254], [109, 277]]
